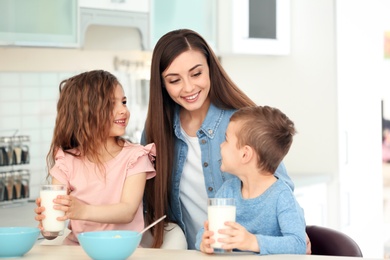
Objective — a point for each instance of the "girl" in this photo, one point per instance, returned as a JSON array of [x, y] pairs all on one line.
[[105, 174]]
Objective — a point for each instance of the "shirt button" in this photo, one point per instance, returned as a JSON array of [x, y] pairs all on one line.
[[210, 188], [205, 164], [210, 131], [203, 141]]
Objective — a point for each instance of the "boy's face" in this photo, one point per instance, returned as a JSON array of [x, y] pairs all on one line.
[[230, 153]]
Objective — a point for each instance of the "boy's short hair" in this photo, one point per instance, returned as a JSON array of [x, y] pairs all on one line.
[[268, 131]]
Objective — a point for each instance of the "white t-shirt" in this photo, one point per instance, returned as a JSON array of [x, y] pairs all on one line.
[[193, 195]]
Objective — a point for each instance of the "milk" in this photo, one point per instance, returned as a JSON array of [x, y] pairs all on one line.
[[50, 223], [217, 216]]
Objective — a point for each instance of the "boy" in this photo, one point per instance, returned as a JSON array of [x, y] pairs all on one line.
[[269, 220]]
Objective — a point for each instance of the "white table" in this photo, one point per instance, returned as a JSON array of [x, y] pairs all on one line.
[[76, 252]]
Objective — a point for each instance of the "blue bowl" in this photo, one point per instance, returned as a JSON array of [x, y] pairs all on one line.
[[17, 241], [110, 244]]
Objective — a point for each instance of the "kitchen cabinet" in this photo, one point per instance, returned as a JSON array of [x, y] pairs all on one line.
[[116, 13], [63, 23], [254, 27], [121, 5], [197, 15], [39, 23], [115, 19]]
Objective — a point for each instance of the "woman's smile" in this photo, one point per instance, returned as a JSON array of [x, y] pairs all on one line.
[[191, 98]]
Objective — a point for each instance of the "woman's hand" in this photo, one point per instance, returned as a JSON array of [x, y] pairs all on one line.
[[308, 245]]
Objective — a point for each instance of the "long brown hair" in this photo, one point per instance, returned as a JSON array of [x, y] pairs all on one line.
[[84, 113], [159, 122]]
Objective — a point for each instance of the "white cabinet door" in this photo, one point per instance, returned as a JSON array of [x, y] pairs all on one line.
[[120, 5], [359, 63]]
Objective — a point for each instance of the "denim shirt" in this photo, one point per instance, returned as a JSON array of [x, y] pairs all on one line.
[[211, 134]]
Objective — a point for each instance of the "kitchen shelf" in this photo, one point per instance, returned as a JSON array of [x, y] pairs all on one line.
[[14, 177]]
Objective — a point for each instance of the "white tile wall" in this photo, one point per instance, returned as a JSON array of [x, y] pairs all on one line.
[[28, 107]]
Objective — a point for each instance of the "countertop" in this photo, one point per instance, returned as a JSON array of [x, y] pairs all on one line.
[[18, 214], [76, 252]]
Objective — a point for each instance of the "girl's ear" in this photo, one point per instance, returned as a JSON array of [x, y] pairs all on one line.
[[246, 153]]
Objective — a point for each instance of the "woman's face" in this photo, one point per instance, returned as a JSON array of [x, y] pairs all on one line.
[[121, 113], [187, 80]]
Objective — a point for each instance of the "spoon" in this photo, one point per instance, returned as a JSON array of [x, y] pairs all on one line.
[[151, 225]]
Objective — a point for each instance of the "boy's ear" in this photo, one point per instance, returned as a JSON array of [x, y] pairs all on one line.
[[247, 154]]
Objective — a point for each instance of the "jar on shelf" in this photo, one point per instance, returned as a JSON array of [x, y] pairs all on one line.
[[25, 154], [9, 186], [17, 190], [6, 151], [16, 150], [20, 149], [2, 186], [25, 179]]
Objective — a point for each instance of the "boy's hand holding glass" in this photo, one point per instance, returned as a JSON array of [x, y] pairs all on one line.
[[220, 211]]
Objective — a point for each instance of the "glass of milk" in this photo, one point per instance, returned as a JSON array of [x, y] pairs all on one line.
[[220, 210], [52, 227]]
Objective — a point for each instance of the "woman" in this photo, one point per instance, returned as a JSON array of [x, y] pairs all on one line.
[[191, 101]]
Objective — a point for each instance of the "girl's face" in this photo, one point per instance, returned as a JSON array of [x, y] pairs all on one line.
[[187, 80], [121, 113], [230, 153]]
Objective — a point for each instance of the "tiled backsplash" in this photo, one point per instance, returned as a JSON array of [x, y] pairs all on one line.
[[28, 107]]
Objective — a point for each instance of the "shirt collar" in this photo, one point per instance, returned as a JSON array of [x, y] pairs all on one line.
[[209, 125]]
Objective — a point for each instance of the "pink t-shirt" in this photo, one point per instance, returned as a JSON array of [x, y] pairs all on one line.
[[87, 183]]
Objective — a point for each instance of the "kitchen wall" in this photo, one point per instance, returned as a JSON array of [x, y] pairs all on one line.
[[29, 80], [28, 107], [302, 84]]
